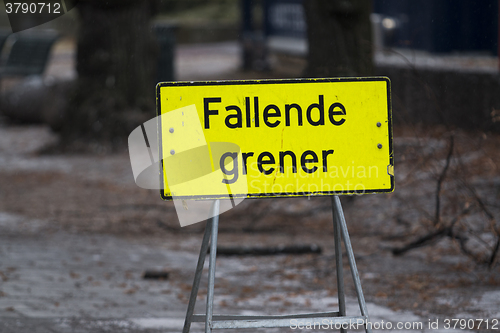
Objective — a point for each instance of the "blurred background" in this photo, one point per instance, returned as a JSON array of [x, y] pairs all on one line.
[[77, 236], [100, 54]]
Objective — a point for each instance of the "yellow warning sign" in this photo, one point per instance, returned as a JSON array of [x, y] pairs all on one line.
[[275, 138]]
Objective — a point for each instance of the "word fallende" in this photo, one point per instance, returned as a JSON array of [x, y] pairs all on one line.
[[271, 114]]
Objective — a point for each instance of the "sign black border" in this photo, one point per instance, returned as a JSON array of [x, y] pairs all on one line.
[[275, 81]]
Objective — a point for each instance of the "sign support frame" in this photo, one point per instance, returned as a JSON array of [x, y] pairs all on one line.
[[237, 321]]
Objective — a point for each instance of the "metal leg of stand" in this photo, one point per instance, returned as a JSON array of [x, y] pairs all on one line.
[[352, 262], [338, 263], [211, 267], [197, 277]]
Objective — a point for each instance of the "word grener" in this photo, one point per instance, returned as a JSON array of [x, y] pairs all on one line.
[[272, 115]]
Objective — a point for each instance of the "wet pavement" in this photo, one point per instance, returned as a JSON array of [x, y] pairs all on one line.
[[54, 279]]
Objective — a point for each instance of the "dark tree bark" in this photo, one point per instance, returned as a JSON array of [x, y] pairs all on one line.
[[116, 65], [339, 35]]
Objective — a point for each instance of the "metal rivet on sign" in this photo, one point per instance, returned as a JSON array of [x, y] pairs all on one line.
[[172, 152], [171, 130], [379, 146], [379, 124]]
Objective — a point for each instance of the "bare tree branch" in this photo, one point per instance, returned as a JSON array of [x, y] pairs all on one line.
[[437, 216], [437, 234]]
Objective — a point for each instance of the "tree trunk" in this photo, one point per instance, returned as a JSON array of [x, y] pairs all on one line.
[[116, 65], [339, 35]]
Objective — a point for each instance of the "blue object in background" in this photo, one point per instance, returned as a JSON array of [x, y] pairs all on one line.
[[443, 26], [437, 26]]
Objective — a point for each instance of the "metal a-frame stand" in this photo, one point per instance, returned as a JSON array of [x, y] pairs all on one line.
[[335, 319]]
